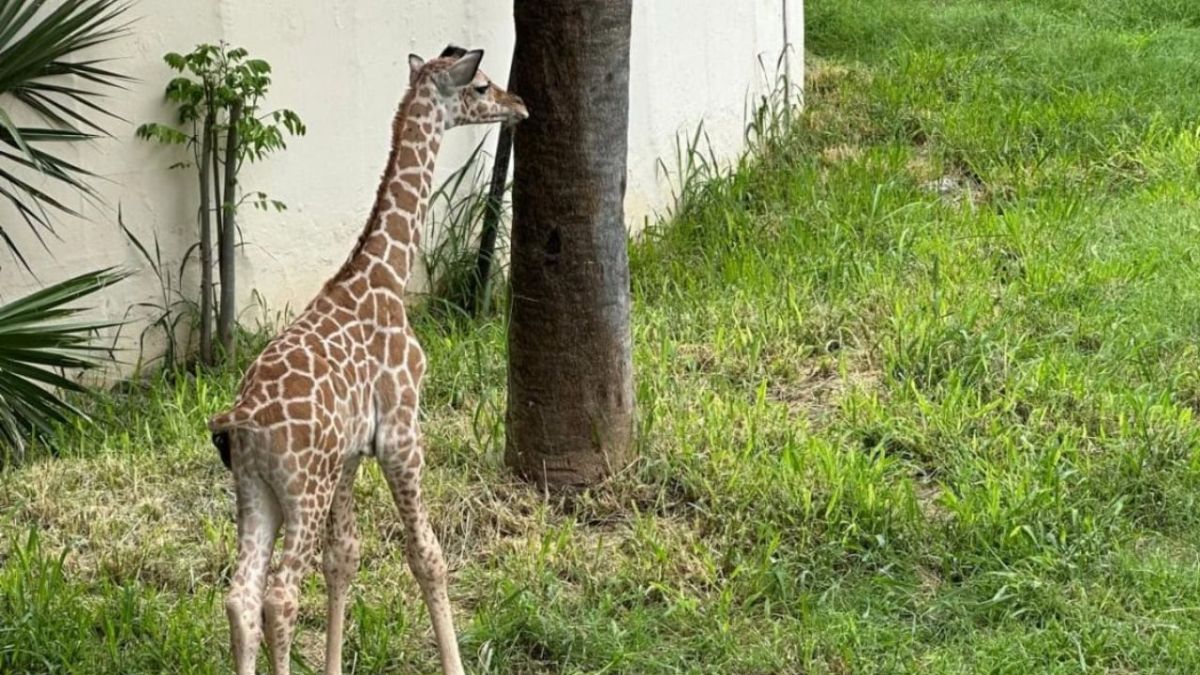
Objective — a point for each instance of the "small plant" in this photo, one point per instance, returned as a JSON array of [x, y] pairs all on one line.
[[219, 95], [171, 308]]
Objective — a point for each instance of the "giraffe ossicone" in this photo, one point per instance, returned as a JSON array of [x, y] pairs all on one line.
[[342, 382]]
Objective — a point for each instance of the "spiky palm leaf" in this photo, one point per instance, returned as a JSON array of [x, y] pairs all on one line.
[[38, 341], [43, 76]]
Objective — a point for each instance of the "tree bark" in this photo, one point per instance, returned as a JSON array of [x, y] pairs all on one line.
[[570, 368], [227, 313], [206, 252]]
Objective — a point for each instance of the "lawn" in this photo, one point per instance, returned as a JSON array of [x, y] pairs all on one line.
[[917, 389]]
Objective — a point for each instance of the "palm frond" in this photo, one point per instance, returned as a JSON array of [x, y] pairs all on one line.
[[43, 75], [38, 341]]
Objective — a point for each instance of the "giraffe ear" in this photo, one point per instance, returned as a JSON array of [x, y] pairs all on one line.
[[463, 71], [415, 62]]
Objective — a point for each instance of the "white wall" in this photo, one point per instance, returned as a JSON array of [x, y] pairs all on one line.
[[341, 64]]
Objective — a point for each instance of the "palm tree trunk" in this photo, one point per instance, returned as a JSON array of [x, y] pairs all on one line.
[[570, 372]]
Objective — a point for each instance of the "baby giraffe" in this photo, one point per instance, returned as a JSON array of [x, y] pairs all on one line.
[[343, 382]]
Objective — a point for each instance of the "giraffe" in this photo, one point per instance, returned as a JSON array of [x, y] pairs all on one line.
[[342, 382]]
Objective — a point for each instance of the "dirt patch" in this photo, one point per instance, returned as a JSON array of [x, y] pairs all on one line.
[[816, 394], [954, 190], [928, 496], [836, 154]]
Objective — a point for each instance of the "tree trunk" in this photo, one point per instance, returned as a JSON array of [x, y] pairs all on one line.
[[570, 367], [206, 252], [227, 313]]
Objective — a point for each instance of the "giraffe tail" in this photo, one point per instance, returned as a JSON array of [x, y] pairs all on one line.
[[222, 427]]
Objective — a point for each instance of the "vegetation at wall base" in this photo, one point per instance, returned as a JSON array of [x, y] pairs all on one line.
[[916, 392], [218, 96]]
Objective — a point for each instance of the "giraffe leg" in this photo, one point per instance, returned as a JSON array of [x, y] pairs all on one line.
[[402, 469], [341, 563], [303, 522], [258, 521]]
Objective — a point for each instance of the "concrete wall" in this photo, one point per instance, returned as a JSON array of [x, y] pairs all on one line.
[[341, 64]]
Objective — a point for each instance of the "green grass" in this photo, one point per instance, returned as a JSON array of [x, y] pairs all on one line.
[[882, 429]]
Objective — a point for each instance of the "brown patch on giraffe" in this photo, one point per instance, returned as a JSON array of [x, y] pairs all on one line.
[[298, 359], [296, 386], [322, 304], [367, 308], [404, 239], [405, 200], [397, 225], [381, 276], [299, 410], [271, 370], [376, 245], [387, 316], [408, 397], [327, 326], [270, 414], [419, 109], [340, 295], [315, 344], [407, 158], [416, 361]]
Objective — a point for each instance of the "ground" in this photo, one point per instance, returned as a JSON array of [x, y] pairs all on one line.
[[917, 390]]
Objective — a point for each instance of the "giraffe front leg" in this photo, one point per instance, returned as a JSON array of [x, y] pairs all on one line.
[[258, 521], [402, 469], [341, 563]]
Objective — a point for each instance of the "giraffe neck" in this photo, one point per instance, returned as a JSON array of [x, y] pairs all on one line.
[[392, 234]]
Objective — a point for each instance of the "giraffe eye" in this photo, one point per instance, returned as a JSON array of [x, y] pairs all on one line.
[[481, 89]]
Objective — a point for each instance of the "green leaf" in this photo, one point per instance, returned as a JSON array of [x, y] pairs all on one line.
[[43, 74], [36, 343]]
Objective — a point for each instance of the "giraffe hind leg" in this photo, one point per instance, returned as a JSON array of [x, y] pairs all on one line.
[[340, 563], [258, 519], [303, 522]]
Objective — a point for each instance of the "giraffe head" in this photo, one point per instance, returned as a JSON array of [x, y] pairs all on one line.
[[463, 91]]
